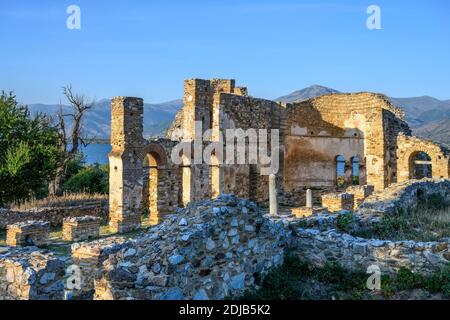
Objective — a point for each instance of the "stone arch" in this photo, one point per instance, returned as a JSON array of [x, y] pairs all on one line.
[[409, 147], [420, 165], [155, 176]]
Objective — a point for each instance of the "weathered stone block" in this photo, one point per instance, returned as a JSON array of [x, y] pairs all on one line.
[[338, 201], [30, 233], [302, 212], [81, 228], [360, 193]]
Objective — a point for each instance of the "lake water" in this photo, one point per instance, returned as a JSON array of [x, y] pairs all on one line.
[[97, 153]]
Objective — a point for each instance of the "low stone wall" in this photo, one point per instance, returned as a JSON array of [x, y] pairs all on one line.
[[54, 215], [28, 233], [404, 195], [318, 247], [30, 274], [81, 228], [210, 250]]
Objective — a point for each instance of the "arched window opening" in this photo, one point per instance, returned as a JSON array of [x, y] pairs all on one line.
[[420, 165], [340, 171]]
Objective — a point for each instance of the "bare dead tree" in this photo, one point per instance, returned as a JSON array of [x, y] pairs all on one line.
[[79, 105]]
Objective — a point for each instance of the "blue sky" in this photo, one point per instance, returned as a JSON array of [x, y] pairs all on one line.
[[147, 48]]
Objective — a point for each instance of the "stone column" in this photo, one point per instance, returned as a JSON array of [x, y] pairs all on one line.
[[273, 195], [126, 164], [309, 198]]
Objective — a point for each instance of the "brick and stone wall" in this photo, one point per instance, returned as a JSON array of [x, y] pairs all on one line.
[[81, 228], [409, 146], [338, 201], [54, 215], [28, 233], [360, 193], [30, 274]]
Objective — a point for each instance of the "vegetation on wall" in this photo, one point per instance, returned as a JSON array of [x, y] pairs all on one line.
[[296, 280]]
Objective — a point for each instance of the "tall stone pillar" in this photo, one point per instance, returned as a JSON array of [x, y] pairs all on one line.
[[309, 198], [273, 203], [126, 164]]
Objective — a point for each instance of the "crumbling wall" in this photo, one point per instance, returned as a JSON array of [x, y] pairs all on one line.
[[31, 274], [409, 145], [54, 215], [210, 250]]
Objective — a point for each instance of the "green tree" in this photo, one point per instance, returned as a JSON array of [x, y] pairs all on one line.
[[28, 150], [89, 179]]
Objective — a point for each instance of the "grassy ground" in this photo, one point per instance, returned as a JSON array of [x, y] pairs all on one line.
[[296, 280]]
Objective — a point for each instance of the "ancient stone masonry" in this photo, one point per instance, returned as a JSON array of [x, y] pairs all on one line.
[[318, 241], [30, 274], [210, 250], [55, 215], [81, 228], [28, 233], [410, 147], [89, 257], [360, 193], [338, 201], [126, 164], [319, 247], [327, 144]]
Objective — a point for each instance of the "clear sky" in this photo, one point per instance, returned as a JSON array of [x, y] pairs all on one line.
[[147, 48]]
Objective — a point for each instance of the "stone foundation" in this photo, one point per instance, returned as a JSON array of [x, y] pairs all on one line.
[[31, 233], [81, 228], [303, 212], [338, 201], [55, 215], [360, 193], [30, 274]]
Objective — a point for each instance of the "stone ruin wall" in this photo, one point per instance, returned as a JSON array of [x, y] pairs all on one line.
[[54, 215], [410, 145], [245, 180], [341, 124], [126, 163], [319, 242]]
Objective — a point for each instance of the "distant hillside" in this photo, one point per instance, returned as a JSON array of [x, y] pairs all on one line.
[[157, 117], [306, 93]]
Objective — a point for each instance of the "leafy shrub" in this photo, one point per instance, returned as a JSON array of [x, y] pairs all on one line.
[[92, 179]]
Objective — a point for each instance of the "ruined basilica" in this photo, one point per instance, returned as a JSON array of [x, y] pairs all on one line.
[[326, 144]]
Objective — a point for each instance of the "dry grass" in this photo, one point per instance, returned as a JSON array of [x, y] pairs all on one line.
[[67, 200], [422, 224]]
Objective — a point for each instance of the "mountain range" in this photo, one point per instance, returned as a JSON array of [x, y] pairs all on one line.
[[428, 117]]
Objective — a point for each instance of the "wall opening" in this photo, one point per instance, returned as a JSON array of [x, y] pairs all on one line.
[[420, 166], [355, 170], [340, 171]]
